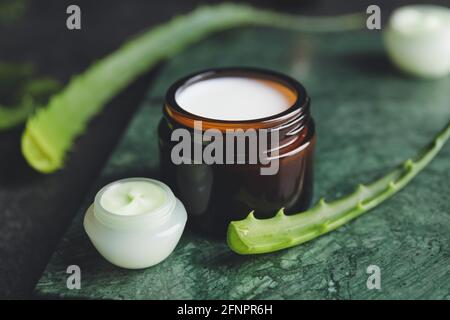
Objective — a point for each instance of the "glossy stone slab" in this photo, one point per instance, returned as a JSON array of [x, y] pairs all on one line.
[[369, 117]]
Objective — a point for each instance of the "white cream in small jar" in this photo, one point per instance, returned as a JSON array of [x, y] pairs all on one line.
[[135, 223]]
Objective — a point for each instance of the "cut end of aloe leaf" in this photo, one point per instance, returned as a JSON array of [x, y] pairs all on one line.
[[234, 239], [35, 153]]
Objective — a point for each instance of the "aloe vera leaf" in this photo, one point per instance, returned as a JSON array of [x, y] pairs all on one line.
[[21, 93], [13, 77], [12, 10], [253, 236], [13, 116], [50, 133]]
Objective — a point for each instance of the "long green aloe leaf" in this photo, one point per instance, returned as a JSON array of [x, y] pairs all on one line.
[[50, 133], [251, 235]]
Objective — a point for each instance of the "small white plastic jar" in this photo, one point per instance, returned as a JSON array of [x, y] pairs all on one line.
[[140, 240], [417, 40]]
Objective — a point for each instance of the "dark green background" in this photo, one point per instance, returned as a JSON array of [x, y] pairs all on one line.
[[369, 117]]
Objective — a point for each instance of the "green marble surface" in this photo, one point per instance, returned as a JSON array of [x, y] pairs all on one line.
[[369, 117]]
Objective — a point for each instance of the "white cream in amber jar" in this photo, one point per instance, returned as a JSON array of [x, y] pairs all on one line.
[[235, 98], [135, 223]]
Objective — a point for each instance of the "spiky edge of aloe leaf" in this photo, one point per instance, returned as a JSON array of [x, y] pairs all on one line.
[[50, 133], [252, 235]]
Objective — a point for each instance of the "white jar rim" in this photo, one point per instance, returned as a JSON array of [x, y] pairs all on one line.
[[152, 218]]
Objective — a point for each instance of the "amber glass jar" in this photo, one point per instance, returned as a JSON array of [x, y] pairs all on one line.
[[215, 194]]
